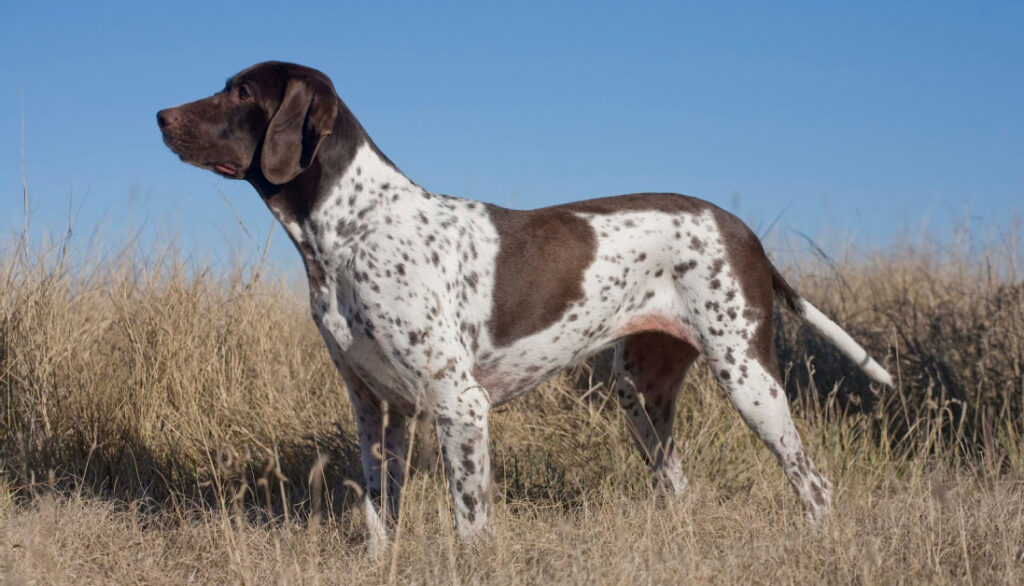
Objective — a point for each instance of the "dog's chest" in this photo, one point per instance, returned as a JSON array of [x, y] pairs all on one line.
[[360, 346], [407, 277]]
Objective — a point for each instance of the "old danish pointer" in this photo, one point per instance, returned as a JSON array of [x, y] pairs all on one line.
[[434, 302]]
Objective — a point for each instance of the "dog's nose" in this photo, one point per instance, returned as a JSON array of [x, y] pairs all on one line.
[[167, 118]]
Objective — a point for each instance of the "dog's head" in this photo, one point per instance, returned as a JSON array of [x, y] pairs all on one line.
[[266, 124]]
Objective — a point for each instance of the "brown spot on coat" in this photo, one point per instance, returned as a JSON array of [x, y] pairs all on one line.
[[817, 495], [681, 268]]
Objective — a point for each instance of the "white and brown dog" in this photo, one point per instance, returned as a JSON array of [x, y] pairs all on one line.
[[452, 306]]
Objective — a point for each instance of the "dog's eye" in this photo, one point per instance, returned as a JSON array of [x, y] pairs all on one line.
[[243, 92]]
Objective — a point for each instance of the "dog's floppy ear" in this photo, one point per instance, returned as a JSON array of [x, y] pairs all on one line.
[[306, 115]]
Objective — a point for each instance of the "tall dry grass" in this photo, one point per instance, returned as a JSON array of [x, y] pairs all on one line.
[[167, 423]]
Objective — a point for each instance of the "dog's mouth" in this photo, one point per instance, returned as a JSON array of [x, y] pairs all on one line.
[[225, 170], [186, 151]]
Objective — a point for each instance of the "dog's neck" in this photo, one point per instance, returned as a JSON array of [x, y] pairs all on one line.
[[340, 198], [335, 167], [337, 188]]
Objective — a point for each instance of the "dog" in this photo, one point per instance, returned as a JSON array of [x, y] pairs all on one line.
[[435, 304]]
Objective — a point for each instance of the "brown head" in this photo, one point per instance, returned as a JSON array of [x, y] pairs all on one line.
[[268, 125]]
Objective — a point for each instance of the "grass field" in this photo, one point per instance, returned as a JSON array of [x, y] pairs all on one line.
[[171, 424]]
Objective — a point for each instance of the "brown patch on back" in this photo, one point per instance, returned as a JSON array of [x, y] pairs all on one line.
[[542, 256], [638, 202]]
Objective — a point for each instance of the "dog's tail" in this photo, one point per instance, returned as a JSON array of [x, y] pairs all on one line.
[[829, 330]]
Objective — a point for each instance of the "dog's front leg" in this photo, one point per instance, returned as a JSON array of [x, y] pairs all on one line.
[[462, 409], [382, 441]]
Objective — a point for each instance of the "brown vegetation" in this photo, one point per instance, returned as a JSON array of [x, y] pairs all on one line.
[[165, 424]]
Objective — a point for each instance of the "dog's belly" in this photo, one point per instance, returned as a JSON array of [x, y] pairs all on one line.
[[505, 377], [512, 371]]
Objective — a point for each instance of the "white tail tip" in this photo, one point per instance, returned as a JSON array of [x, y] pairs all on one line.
[[846, 344]]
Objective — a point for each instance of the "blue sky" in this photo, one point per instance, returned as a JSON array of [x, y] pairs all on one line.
[[852, 122]]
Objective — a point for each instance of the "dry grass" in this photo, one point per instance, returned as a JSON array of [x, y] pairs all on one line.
[[160, 424]]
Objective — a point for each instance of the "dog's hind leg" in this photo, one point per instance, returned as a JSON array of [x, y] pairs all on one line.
[[649, 369], [756, 392]]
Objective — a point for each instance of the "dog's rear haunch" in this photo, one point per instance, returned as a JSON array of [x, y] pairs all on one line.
[[448, 306]]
